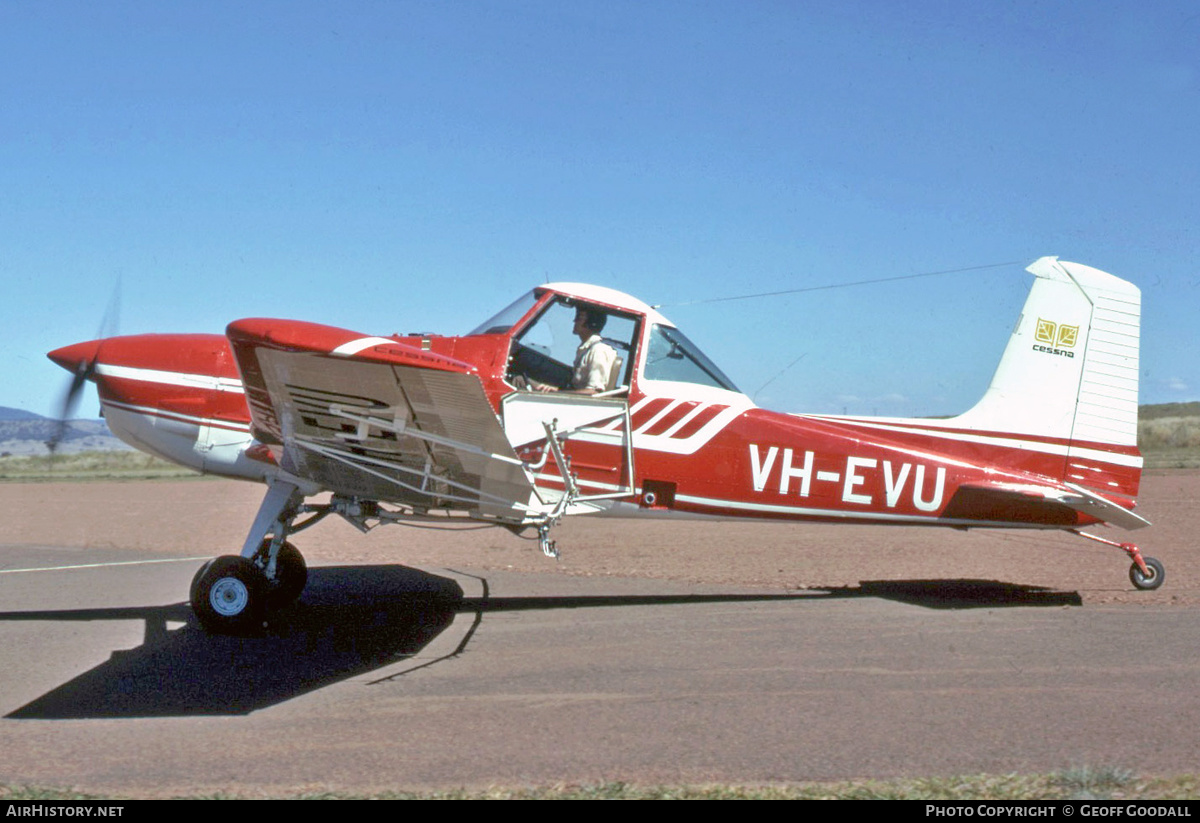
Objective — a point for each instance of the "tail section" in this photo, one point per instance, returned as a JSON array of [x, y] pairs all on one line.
[[1069, 376]]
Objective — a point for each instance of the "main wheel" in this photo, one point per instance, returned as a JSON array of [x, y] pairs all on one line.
[[291, 575], [1148, 581], [229, 595]]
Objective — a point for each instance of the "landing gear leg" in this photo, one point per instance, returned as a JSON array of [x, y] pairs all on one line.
[[233, 594], [1146, 573]]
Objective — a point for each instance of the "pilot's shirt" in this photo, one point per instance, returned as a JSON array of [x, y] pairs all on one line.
[[594, 362]]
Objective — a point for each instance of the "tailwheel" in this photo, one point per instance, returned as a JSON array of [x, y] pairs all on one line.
[[1146, 573], [229, 595], [1149, 579], [291, 575]]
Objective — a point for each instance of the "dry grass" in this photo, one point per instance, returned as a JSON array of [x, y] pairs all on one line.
[[1170, 442], [1079, 783], [108, 465]]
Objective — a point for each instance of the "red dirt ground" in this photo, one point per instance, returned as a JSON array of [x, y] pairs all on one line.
[[206, 517]]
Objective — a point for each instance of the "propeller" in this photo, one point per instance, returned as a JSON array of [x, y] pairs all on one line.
[[81, 360], [83, 372]]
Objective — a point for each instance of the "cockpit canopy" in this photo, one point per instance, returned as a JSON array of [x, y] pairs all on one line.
[[649, 347]]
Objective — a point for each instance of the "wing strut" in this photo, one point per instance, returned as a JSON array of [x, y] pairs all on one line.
[[363, 463], [423, 478]]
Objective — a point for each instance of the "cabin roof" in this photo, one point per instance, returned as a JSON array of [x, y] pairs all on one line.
[[607, 297]]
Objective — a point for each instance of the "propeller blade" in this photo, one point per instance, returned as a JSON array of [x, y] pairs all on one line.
[[80, 360]]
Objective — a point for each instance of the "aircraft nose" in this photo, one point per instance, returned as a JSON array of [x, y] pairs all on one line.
[[73, 356]]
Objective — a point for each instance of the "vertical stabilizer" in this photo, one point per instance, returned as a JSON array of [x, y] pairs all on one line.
[[1070, 374]]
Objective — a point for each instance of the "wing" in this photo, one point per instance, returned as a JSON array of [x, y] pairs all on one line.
[[373, 418]]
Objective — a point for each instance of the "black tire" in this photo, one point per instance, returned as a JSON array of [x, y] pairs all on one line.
[[229, 596], [291, 576], [1151, 581]]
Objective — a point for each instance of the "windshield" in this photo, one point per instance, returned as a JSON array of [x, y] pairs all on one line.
[[502, 322], [671, 356]]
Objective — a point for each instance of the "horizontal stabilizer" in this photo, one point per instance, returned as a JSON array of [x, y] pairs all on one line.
[[1106, 510], [1037, 504]]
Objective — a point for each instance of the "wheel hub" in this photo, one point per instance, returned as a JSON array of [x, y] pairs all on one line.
[[229, 597]]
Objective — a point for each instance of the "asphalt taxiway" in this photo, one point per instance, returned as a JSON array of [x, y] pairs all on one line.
[[390, 677]]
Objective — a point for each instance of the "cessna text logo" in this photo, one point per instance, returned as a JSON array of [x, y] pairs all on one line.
[[859, 482], [1055, 338]]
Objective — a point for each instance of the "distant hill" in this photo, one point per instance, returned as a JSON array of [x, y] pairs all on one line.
[[25, 433], [7, 413], [1160, 410]]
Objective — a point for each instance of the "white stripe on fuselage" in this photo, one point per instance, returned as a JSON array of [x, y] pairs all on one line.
[[670, 407], [171, 378], [738, 509], [1012, 441], [844, 514], [355, 346]]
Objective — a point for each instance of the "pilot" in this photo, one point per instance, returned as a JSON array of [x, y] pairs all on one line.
[[594, 359]]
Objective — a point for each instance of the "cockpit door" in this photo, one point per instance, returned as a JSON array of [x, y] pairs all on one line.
[[593, 433]]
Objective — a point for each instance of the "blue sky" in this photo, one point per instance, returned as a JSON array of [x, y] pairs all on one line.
[[397, 167]]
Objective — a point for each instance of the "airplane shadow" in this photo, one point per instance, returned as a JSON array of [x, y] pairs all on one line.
[[355, 619], [350, 620], [959, 594]]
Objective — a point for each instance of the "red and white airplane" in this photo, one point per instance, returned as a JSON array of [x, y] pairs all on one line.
[[408, 428]]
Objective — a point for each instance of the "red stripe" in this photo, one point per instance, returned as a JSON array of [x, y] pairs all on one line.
[[194, 402], [207, 354], [642, 416], [674, 416], [698, 422]]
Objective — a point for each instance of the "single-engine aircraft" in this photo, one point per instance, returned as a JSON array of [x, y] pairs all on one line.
[[489, 426]]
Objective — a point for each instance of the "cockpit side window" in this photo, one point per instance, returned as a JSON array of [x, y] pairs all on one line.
[[671, 356], [544, 351]]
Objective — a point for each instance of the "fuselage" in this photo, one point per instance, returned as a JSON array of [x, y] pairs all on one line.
[[686, 445]]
